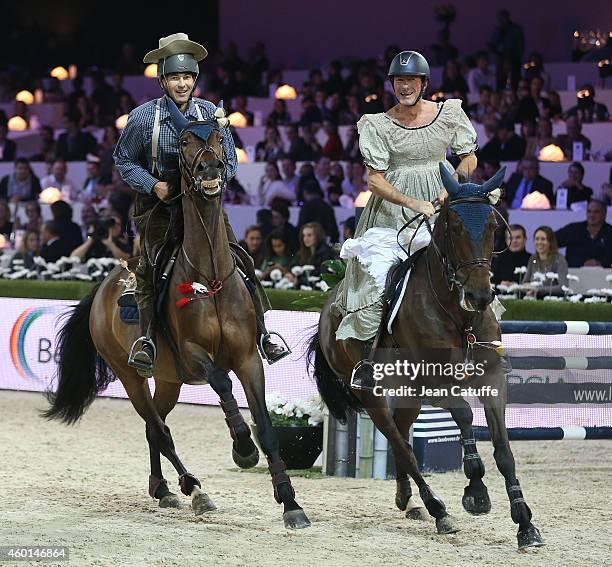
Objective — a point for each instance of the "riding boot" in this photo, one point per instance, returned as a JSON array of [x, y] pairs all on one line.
[[143, 352], [363, 373], [269, 350]]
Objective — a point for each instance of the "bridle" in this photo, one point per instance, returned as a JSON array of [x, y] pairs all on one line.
[[195, 187]]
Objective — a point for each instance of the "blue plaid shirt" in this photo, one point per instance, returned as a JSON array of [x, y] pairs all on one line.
[[133, 152]]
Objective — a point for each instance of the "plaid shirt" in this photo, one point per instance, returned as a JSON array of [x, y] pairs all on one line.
[[133, 152]]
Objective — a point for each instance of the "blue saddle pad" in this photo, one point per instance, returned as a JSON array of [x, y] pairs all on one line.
[[128, 314]]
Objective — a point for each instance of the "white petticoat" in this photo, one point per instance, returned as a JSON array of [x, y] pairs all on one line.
[[377, 250]]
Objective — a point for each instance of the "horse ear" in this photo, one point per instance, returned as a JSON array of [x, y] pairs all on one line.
[[449, 182], [220, 105], [495, 181], [179, 121]]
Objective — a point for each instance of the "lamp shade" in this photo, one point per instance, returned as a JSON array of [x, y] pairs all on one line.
[[50, 195], [151, 71], [237, 120], [121, 122], [60, 73], [551, 153], [17, 124], [241, 156], [285, 92], [25, 96]]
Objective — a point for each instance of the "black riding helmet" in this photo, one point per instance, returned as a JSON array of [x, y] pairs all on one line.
[[410, 63]]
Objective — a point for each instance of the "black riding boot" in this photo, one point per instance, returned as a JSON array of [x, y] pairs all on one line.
[[143, 353], [363, 373], [268, 349]]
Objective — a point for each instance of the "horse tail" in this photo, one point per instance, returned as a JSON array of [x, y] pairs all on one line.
[[82, 372], [337, 396]]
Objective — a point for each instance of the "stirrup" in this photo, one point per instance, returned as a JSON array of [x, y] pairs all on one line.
[[144, 368], [279, 356]]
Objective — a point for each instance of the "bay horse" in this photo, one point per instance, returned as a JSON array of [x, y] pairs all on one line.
[[446, 307], [209, 329]]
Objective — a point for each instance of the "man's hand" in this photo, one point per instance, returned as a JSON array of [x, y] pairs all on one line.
[[424, 207], [162, 190]]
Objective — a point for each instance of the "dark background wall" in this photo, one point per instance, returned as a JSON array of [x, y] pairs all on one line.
[[305, 33]]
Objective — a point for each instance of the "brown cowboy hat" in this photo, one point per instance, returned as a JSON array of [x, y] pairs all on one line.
[[173, 45]]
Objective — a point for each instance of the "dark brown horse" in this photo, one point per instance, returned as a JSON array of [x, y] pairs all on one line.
[[446, 310], [213, 332]]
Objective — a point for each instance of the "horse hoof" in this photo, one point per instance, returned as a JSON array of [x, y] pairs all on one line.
[[170, 501], [476, 504], [419, 513], [447, 525], [529, 537], [202, 503], [246, 462], [296, 519]]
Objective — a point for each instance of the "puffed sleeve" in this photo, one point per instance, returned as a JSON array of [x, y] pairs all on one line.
[[373, 149], [464, 139]]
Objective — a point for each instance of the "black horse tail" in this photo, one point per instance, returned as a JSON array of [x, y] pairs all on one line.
[[337, 396], [82, 373]]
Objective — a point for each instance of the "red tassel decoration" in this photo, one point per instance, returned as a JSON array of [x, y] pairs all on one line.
[[183, 301], [184, 288]]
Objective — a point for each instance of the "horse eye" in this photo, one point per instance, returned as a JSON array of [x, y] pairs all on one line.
[[183, 142]]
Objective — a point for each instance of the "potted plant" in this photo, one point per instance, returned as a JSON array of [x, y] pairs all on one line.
[[299, 426]]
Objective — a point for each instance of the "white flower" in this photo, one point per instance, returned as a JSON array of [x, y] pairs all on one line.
[[529, 298], [297, 271], [276, 275], [609, 278], [258, 273], [573, 278], [313, 279], [538, 276], [520, 270], [575, 298], [552, 298], [305, 288], [308, 268], [267, 283], [552, 275], [323, 286], [567, 289]]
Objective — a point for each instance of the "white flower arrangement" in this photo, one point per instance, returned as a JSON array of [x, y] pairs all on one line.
[[538, 277], [276, 275], [552, 275], [294, 413], [553, 298], [575, 298], [573, 278], [322, 285], [609, 278], [520, 270], [297, 271], [305, 288], [595, 299], [308, 268]]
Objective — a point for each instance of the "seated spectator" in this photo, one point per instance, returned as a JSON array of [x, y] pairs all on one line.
[[93, 181], [526, 181], [348, 230], [235, 194], [116, 186], [528, 129], [573, 134], [351, 148], [313, 146], [8, 148], [527, 107], [316, 209], [576, 191], [587, 109], [263, 219], [452, 80], [28, 250], [480, 76], [588, 243], [253, 244], [542, 138], [54, 246], [351, 114], [313, 248], [298, 150], [106, 149], [6, 225], [272, 187], [21, 185], [105, 239], [546, 259], [333, 191], [515, 256], [48, 146], [310, 112], [535, 68], [58, 178], [271, 148], [280, 115], [555, 112], [34, 217], [65, 228], [74, 144], [509, 106], [332, 148], [479, 110], [280, 221], [85, 112], [505, 145], [322, 170], [278, 255], [290, 179], [240, 105], [541, 102]]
